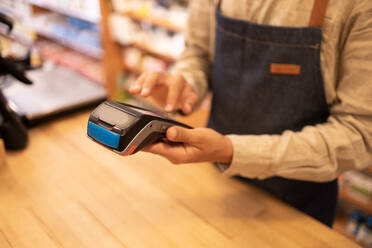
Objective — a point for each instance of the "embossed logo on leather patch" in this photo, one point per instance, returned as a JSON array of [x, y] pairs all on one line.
[[285, 69]]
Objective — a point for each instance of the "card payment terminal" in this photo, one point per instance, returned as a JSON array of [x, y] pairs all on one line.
[[125, 128]]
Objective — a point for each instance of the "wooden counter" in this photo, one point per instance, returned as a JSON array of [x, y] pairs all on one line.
[[66, 191]]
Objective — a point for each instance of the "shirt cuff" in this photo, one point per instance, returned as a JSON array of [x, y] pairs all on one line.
[[251, 157]]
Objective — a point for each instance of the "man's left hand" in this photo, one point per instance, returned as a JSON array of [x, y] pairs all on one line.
[[193, 145]]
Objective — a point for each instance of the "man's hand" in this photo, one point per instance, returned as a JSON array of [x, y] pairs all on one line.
[[195, 145], [170, 91]]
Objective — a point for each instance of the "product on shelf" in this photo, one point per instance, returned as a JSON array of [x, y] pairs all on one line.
[[87, 10], [153, 26], [133, 58], [18, 12], [35, 58], [364, 235], [77, 34], [150, 63], [91, 68], [14, 8], [16, 41], [138, 61], [154, 39], [172, 14], [357, 185], [10, 48], [354, 222], [359, 226]]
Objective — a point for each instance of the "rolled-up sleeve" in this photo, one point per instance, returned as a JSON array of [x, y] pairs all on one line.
[[194, 63], [322, 152]]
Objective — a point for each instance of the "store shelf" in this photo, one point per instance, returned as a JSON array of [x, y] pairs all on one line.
[[155, 21], [146, 48], [363, 206], [116, 37], [8, 10], [91, 52], [131, 41], [50, 6]]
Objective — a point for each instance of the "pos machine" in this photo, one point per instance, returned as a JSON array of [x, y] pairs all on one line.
[[125, 128]]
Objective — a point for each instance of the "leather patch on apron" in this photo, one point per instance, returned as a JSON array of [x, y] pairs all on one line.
[[285, 69]]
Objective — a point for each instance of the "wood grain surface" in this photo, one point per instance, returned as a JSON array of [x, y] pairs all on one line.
[[66, 191]]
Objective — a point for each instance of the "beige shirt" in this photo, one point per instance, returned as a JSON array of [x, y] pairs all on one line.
[[317, 153]]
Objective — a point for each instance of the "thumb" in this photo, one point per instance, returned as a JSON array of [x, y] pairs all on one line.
[[180, 134]]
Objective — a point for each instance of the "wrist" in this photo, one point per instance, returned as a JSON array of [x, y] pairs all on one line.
[[226, 151]]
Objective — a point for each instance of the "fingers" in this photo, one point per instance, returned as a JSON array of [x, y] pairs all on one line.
[[145, 83], [174, 92], [149, 83], [137, 86], [184, 135], [175, 154], [177, 94], [191, 98], [155, 148], [194, 145]]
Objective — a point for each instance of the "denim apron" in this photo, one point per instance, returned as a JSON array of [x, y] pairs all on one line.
[[267, 80]]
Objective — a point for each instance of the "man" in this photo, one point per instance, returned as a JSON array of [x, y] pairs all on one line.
[[292, 94]]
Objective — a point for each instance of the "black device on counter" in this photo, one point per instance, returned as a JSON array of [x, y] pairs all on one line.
[[12, 129], [125, 128]]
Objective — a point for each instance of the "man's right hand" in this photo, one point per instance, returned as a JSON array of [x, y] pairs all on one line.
[[170, 91]]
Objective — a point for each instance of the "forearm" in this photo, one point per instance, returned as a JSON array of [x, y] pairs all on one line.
[[317, 153]]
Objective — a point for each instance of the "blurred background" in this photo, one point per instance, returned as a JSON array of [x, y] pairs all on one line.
[[80, 52]]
